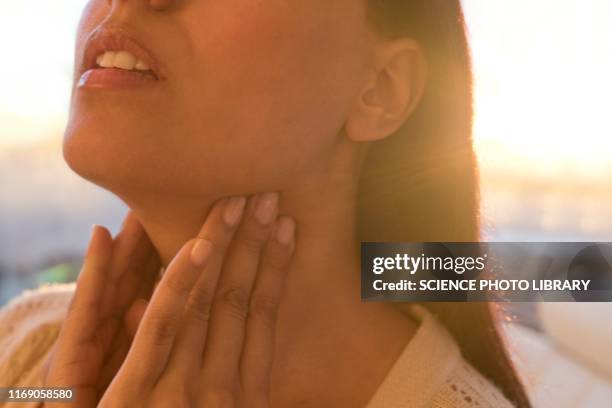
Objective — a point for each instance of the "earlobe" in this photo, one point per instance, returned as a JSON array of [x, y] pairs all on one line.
[[392, 91]]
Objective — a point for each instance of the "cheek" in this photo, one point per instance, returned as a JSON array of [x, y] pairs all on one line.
[[257, 96], [281, 82]]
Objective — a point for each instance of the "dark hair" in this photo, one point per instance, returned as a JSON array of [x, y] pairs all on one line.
[[421, 185]]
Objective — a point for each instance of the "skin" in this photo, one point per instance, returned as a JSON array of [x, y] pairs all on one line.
[[278, 97], [197, 334], [103, 316]]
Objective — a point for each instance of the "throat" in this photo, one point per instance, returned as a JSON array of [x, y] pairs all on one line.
[[338, 352]]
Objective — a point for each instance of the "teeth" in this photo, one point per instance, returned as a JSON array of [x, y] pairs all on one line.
[[122, 60], [125, 60], [141, 66], [108, 60]]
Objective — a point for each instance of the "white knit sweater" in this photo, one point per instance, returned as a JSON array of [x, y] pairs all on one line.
[[430, 372]]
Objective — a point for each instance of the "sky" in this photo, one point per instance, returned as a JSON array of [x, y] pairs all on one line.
[[543, 72], [543, 80]]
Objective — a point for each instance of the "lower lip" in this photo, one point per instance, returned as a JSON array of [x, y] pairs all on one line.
[[114, 78]]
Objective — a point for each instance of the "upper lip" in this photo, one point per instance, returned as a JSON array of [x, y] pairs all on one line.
[[105, 39]]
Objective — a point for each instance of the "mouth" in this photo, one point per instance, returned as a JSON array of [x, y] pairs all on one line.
[[115, 58]]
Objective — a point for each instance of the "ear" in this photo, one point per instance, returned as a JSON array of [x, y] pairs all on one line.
[[393, 89]]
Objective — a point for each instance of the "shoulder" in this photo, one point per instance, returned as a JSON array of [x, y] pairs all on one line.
[[431, 372], [29, 325], [34, 308]]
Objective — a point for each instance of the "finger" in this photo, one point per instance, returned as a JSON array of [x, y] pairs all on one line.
[[133, 317], [138, 284], [111, 367], [80, 325], [230, 308], [128, 238], [83, 313], [155, 336], [131, 268], [109, 341], [258, 353], [131, 251], [219, 228], [121, 341]]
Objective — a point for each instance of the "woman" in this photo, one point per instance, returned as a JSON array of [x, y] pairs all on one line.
[[280, 134]]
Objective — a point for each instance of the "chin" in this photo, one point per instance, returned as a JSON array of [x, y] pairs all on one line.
[[82, 154], [91, 155], [116, 161]]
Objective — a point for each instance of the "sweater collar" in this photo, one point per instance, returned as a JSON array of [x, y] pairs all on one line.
[[426, 362]]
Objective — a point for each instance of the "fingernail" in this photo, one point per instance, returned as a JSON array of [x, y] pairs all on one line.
[[200, 252], [266, 207], [285, 230], [234, 208]]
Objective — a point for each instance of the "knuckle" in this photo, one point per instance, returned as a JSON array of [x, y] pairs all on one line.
[[177, 283], [265, 308], [276, 259], [199, 305], [236, 300], [162, 330]]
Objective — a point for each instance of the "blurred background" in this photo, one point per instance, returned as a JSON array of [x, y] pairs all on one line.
[[543, 133]]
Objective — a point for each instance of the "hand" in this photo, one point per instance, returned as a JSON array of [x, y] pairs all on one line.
[[104, 312], [207, 336]]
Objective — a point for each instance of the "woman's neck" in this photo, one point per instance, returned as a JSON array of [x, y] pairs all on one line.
[[320, 313]]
